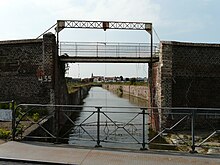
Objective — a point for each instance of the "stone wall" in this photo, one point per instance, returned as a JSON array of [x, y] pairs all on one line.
[[136, 91]]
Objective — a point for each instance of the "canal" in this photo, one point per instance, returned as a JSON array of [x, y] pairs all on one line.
[[121, 121]]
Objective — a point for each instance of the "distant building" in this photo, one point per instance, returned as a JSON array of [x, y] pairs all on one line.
[[98, 78], [110, 79]]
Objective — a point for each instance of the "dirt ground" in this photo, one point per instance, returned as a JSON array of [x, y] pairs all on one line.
[[5, 125], [2, 141]]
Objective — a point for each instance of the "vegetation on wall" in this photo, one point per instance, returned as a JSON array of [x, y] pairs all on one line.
[[6, 105]]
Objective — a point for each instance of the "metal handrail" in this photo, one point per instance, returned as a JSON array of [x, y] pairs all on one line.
[[107, 49]]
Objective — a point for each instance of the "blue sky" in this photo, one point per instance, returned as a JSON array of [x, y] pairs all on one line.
[[176, 20]]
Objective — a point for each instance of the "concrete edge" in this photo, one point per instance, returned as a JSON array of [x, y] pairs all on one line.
[[32, 161]]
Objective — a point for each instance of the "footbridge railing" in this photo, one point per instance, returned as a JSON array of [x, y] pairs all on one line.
[[99, 50], [186, 129]]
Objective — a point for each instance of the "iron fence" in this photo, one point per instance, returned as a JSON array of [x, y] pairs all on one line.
[[188, 129]]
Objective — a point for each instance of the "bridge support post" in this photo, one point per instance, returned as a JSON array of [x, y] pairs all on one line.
[[98, 127]]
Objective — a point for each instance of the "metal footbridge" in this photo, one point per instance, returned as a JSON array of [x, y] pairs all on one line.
[[107, 52]]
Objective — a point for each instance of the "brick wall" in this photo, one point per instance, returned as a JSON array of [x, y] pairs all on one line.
[[20, 64], [196, 78], [188, 75], [30, 71]]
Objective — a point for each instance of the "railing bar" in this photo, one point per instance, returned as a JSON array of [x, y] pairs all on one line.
[[120, 142], [131, 135], [207, 138], [71, 127], [163, 108], [109, 119], [40, 125], [178, 122], [82, 139], [132, 119], [5, 102], [149, 141], [40, 137], [112, 132], [87, 118], [88, 133]]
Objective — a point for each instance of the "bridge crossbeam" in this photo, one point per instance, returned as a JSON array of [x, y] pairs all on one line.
[[61, 24], [89, 59]]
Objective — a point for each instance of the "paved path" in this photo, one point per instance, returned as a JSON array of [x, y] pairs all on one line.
[[41, 152]]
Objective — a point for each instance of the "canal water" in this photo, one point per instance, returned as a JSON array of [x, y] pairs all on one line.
[[120, 119]]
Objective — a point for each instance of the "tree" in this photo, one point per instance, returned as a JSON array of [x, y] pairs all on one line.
[[121, 78]]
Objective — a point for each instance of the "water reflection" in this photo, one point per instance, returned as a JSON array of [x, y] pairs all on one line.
[[134, 100], [117, 124]]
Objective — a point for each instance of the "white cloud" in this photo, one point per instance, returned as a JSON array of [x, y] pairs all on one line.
[[32, 17], [25, 19], [123, 10]]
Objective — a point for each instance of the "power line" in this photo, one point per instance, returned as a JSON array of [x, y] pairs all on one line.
[[156, 34]]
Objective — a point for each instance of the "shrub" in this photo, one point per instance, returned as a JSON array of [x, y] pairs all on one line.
[[4, 134], [36, 117]]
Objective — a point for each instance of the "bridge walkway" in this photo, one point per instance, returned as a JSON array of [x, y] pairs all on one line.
[[41, 153]]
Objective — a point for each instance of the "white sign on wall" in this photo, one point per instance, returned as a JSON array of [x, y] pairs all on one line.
[[5, 115]]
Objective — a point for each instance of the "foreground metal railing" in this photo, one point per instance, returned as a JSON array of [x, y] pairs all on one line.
[[184, 129]]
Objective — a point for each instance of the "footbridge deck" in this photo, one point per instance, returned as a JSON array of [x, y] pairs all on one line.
[[108, 52]]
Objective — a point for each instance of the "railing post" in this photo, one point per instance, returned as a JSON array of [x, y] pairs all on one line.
[[193, 131], [57, 125], [13, 120], [98, 127], [143, 133], [76, 49], [97, 50]]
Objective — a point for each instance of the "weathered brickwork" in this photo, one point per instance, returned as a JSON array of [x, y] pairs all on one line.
[[189, 75], [20, 63], [27, 70], [30, 72], [196, 75]]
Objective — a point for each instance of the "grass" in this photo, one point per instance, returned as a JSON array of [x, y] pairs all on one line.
[[4, 134]]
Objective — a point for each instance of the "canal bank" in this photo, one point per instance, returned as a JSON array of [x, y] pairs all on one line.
[[56, 121], [132, 90]]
